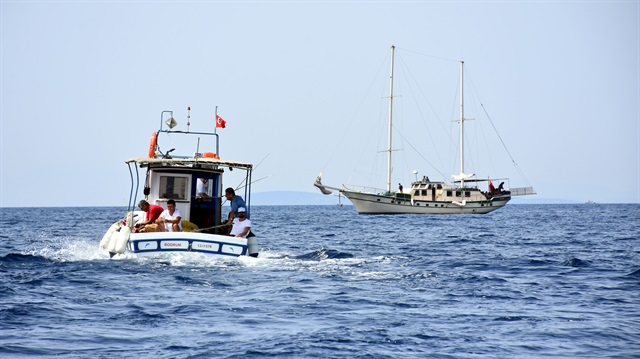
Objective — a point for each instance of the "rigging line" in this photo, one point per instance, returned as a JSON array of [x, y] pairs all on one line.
[[496, 130], [427, 55], [241, 184], [264, 158], [504, 145], [405, 69], [420, 154], [358, 110]]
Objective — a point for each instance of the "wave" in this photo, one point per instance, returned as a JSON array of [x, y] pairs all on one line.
[[323, 254], [576, 262], [23, 258], [634, 274]]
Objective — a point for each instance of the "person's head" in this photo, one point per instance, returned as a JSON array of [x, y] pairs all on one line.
[[242, 212], [171, 205], [143, 205], [229, 193]]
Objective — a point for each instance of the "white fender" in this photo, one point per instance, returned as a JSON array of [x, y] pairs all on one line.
[[113, 240], [123, 238], [252, 246], [104, 243]]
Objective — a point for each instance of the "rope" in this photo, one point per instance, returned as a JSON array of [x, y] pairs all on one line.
[[505, 146], [204, 229]]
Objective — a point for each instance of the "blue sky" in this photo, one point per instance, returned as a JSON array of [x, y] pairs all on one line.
[[83, 84]]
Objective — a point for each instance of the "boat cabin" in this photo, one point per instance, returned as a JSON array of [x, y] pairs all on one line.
[[440, 191], [195, 184]]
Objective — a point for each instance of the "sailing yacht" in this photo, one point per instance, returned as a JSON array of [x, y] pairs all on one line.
[[425, 196]]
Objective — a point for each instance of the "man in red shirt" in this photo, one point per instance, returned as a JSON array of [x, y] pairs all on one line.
[[153, 212]]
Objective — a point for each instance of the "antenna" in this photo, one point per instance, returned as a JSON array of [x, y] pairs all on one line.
[[188, 117]]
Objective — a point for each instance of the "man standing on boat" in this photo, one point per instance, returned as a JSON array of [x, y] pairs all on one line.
[[235, 202], [153, 212]]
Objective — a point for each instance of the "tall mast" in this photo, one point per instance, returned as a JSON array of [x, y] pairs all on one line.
[[390, 121], [462, 124]]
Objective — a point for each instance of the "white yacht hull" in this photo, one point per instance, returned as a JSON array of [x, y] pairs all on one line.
[[371, 203]]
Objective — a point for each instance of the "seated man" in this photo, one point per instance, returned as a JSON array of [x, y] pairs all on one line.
[[241, 225], [170, 219], [153, 212]]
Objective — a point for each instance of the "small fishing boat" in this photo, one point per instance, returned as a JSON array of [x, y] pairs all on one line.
[[429, 197], [195, 184]]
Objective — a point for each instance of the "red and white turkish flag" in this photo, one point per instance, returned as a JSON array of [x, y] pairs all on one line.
[[220, 123]]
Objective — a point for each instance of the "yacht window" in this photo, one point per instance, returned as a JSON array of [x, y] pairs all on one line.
[[173, 187], [467, 194], [449, 193]]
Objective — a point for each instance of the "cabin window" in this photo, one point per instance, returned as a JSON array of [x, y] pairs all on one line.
[[424, 192], [458, 193], [467, 193], [449, 193], [173, 187], [204, 188]]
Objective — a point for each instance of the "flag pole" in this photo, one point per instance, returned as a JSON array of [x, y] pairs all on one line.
[[215, 131], [215, 120]]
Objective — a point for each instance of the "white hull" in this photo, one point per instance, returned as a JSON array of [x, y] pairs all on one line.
[[146, 244], [371, 203]]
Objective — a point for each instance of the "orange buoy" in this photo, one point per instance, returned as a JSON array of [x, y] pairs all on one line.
[[209, 155], [152, 145]]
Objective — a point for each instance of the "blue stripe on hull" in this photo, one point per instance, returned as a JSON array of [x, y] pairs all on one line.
[[182, 245]]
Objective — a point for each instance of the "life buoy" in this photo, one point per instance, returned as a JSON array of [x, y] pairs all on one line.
[[152, 145]]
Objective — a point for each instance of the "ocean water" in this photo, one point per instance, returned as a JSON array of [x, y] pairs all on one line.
[[526, 281]]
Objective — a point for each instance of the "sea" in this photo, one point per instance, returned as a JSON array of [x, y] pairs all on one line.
[[525, 281]]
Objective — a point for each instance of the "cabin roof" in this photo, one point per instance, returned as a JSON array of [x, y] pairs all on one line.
[[142, 161]]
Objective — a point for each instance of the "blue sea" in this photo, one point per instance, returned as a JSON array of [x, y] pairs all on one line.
[[526, 281]]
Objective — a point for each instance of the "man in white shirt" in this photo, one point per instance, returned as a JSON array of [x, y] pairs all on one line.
[[171, 218], [201, 188], [241, 225]]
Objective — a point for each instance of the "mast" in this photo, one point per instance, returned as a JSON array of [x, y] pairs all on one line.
[[461, 124], [390, 121]]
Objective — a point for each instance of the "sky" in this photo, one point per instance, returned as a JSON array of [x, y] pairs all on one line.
[[301, 85]]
